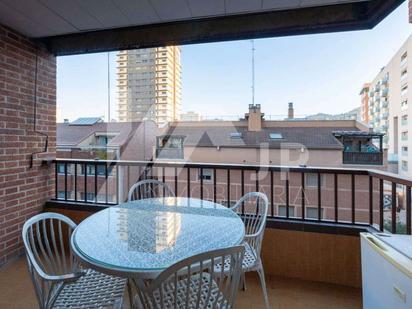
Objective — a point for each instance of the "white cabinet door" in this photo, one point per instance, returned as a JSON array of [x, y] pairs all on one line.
[[383, 285]]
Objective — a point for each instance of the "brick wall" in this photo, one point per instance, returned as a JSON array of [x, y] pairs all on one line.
[[23, 190]]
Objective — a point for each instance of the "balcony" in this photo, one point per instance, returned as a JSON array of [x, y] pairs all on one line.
[[325, 208], [364, 158], [169, 153]]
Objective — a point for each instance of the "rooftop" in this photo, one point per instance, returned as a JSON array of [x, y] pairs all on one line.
[[311, 137], [71, 134]]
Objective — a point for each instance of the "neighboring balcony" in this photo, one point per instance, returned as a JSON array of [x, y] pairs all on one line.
[[362, 158], [170, 153]]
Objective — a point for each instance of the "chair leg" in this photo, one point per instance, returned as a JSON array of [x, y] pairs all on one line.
[[130, 292], [243, 279], [261, 274]]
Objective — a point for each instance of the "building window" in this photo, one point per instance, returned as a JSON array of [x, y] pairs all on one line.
[[207, 175], [404, 58], [404, 120], [404, 90], [282, 211], [60, 195], [235, 135], [311, 180], [404, 150], [312, 213], [90, 196], [404, 135], [404, 74], [404, 105], [60, 169], [404, 165], [101, 170], [275, 136]]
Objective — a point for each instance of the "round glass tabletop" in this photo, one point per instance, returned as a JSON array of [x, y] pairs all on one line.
[[152, 234]]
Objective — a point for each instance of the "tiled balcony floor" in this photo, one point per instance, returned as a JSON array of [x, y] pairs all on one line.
[[16, 292]]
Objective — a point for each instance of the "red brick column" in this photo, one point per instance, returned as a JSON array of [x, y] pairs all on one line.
[[23, 190]]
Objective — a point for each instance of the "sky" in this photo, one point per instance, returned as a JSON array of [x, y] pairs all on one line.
[[318, 73]]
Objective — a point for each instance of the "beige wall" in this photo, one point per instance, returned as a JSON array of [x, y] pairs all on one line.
[[287, 157]]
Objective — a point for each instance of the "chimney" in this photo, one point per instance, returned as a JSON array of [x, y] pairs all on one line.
[[254, 118], [290, 110]]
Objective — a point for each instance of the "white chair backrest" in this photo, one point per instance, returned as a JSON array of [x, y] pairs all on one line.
[[253, 207], [149, 188], [193, 283], [46, 239]]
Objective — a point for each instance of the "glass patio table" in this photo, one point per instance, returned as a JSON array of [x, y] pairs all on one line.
[[139, 239]]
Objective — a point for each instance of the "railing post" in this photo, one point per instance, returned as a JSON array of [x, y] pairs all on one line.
[[303, 195], [242, 188], [85, 182], [56, 174], [106, 178], [176, 184], [370, 200], [353, 197], [95, 182], [65, 181], [393, 208], [188, 182], [287, 194], [271, 194], [336, 196], [214, 185], [75, 182], [228, 187], [201, 183], [164, 179], [381, 227], [319, 197], [408, 210]]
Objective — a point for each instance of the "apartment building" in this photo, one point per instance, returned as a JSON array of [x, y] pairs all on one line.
[[364, 93], [253, 140], [389, 107], [149, 84], [91, 138], [190, 116]]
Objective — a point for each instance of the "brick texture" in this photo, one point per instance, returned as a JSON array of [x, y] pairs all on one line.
[[23, 190]]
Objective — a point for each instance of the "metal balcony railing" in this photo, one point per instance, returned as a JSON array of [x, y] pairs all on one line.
[[348, 196], [362, 158]]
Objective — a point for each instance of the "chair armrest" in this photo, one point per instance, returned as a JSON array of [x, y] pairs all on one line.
[[251, 236], [65, 278]]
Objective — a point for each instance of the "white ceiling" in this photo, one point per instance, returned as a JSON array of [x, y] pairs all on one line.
[[43, 18]]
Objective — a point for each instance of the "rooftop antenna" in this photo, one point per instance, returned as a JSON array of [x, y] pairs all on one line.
[[108, 86], [253, 71]]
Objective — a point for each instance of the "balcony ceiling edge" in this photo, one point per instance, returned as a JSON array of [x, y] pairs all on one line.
[[311, 20]]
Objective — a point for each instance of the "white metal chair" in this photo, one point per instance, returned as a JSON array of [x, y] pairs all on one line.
[[253, 208], [58, 279], [149, 188], [193, 283]]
